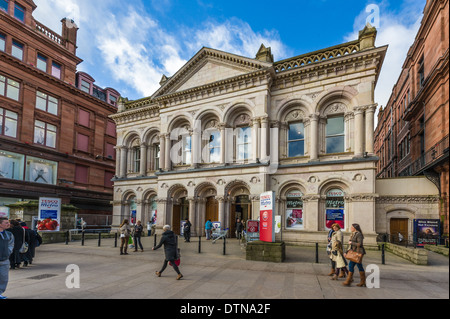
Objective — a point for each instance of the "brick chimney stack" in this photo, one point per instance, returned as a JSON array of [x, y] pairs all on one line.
[[69, 34]]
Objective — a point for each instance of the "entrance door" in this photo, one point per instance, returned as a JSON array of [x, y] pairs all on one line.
[[399, 229], [176, 218], [212, 209], [241, 209]]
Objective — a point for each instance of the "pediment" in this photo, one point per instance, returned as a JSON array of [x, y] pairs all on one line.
[[209, 66]]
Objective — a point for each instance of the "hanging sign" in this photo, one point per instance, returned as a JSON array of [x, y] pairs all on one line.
[[267, 217]]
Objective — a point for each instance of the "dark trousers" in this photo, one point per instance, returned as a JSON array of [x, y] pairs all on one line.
[[187, 236], [137, 240], [175, 267]]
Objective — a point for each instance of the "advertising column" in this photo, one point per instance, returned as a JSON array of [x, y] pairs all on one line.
[[267, 217], [49, 214]]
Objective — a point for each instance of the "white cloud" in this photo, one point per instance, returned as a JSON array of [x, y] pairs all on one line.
[[398, 30], [125, 47]]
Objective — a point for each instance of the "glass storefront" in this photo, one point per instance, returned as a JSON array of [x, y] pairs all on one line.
[[334, 207], [294, 210]]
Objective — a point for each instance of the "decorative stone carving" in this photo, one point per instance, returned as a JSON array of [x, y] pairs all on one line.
[[335, 108], [243, 119], [295, 115]]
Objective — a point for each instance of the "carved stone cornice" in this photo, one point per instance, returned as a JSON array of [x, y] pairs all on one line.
[[407, 199]]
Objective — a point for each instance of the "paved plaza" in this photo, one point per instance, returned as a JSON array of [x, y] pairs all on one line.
[[104, 274]]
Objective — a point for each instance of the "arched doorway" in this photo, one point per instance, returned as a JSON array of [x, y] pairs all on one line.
[[180, 207], [212, 209], [241, 206]]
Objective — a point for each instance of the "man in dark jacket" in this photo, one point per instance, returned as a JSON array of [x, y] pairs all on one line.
[[170, 249]]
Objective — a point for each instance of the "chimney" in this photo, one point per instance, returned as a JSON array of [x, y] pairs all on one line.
[[69, 34]]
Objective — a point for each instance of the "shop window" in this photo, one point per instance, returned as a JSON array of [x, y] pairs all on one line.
[[296, 140], [9, 88], [335, 135], [82, 142], [56, 70], [4, 5], [8, 123], [335, 208], [44, 134], [111, 129], [2, 40], [46, 103], [41, 171], [41, 62], [17, 50], [81, 174], [19, 12], [11, 165], [294, 210], [84, 118]]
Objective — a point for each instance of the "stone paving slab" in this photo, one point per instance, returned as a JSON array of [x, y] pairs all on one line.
[[104, 274]]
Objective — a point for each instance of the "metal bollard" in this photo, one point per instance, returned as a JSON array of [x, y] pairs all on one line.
[[224, 246], [154, 241], [99, 239], [115, 240], [82, 238], [317, 253], [383, 258], [67, 237], [199, 244]]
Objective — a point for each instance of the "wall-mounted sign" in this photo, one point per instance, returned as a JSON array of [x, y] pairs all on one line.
[[49, 214]]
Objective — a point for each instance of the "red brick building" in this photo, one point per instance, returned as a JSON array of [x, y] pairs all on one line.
[[55, 136], [412, 133]]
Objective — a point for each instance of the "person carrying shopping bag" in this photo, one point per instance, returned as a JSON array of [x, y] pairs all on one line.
[[125, 231], [170, 250], [355, 255], [337, 253]]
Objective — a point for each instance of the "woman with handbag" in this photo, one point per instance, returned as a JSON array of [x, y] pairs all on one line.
[[355, 255], [337, 253], [125, 231]]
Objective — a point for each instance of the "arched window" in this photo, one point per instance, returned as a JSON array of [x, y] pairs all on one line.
[[135, 156], [243, 143], [211, 137], [296, 139], [334, 207], [294, 210], [335, 135]]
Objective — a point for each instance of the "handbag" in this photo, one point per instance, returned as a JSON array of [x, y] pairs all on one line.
[[354, 256], [24, 247]]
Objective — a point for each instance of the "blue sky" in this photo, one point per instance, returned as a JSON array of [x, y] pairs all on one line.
[[129, 45]]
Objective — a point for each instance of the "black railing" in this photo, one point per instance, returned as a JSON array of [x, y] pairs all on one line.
[[434, 154], [411, 241]]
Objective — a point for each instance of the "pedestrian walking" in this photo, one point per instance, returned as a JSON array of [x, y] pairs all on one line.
[[27, 257], [20, 237], [125, 231], [208, 229], [6, 249], [333, 263], [187, 231], [356, 243], [239, 228], [337, 253], [170, 250], [138, 229]]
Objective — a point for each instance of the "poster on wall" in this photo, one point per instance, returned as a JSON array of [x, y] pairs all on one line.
[[334, 210], [294, 210], [267, 217], [4, 212], [427, 231], [49, 214]]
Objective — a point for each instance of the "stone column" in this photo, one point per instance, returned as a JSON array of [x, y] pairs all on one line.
[[370, 115], [264, 138], [193, 215], [117, 160], [359, 131], [255, 141], [123, 161], [162, 151], [196, 148], [223, 144], [168, 163], [311, 212], [314, 137], [143, 168], [221, 201]]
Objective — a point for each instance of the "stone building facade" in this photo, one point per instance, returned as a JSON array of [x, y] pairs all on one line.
[[226, 128], [56, 139]]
